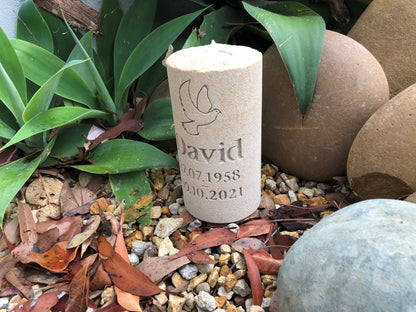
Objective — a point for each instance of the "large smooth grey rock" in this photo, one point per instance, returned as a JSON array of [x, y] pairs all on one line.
[[361, 258]]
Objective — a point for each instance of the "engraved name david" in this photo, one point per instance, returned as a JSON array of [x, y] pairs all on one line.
[[222, 153]]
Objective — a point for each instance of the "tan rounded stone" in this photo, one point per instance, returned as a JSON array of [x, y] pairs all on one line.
[[213, 277], [135, 236], [224, 270], [196, 281], [350, 86], [387, 29], [230, 281], [44, 191], [381, 159], [220, 301], [177, 279], [224, 258]]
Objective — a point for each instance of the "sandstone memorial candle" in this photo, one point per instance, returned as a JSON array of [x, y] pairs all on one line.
[[216, 101]]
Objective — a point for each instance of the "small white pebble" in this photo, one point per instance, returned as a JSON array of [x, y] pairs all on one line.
[[134, 259]]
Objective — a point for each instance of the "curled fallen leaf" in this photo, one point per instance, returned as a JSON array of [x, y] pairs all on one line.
[[254, 276], [254, 228], [123, 274], [212, 238], [55, 259], [265, 262]]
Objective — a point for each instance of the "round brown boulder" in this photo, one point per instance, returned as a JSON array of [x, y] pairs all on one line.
[[381, 162], [388, 30], [351, 85]]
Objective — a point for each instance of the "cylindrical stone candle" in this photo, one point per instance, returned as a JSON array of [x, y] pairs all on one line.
[[216, 93]]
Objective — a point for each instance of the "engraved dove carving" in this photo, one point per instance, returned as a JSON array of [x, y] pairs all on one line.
[[198, 114]]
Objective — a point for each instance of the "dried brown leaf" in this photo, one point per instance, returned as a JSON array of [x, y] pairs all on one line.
[[254, 276], [280, 245], [247, 243], [74, 196], [123, 274], [43, 304], [19, 283], [265, 262], [89, 230], [47, 239], [255, 228], [78, 288], [212, 238], [198, 256], [156, 268], [55, 259]]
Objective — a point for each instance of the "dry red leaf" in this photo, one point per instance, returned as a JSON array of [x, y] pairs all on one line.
[[199, 256], [28, 234], [265, 262], [123, 274], [10, 231], [248, 242], [279, 245], [78, 288], [47, 239], [214, 237], [126, 300], [254, 276], [15, 278], [254, 228], [6, 264], [74, 196], [132, 125], [43, 304], [114, 307], [101, 279], [55, 259], [89, 230], [156, 268]]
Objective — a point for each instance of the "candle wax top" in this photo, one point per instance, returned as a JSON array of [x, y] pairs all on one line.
[[214, 57]]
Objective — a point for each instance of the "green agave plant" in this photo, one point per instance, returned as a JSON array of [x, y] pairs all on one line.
[[93, 85], [54, 79]]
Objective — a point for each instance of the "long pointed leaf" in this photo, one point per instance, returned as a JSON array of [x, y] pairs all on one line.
[[41, 100], [215, 24], [62, 40], [6, 132], [14, 175], [134, 26], [150, 49], [151, 78], [121, 156], [14, 102], [299, 40], [13, 68], [110, 17], [158, 121], [95, 75], [32, 27], [76, 54], [39, 65], [53, 118]]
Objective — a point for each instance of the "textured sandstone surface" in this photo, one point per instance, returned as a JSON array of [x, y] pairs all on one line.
[[381, 162], [351, 85], [387, 29], [216, 100]]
